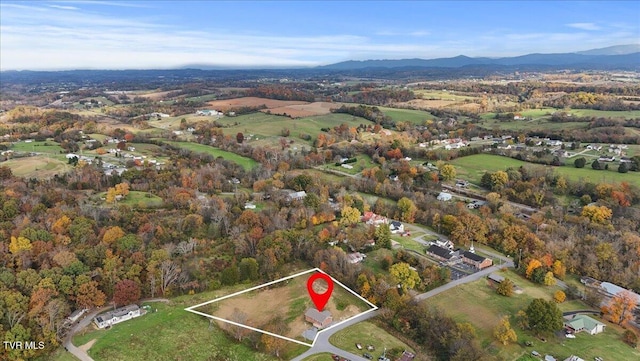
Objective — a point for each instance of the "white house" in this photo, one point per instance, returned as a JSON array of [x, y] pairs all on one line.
[[444, 196], [77, 314], [116, 316], [580, 323], [355, 257]]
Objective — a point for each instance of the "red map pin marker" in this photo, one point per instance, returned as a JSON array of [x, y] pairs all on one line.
[[319, 299]]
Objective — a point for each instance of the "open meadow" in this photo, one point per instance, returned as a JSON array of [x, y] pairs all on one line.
[[479, 304], [473, 167], [366, 333], [38, 166], [287, 300], [246, 163]]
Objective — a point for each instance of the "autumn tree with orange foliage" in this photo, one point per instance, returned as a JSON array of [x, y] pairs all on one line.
[[620, 307], [533, 264]]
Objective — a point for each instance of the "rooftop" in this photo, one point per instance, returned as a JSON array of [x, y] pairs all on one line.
[[316, 315]]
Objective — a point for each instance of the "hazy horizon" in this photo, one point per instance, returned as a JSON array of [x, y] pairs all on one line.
[[116, 35]]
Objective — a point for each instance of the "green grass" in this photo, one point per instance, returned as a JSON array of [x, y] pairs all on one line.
[[246, 163], [480, 305], [364, 162], [325, 356], [38, 166], [38, 147], [473, 167], [58, 355], [170, 334], [137, 199], [407, 115], [365, 333], [409, 243]]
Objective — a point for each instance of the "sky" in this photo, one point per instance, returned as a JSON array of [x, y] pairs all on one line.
[[112, 34]]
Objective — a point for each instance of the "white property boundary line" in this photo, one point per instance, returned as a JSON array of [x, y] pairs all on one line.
[[192, 308]]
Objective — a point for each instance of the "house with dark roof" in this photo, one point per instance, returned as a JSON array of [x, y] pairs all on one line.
[[443, 254], [475, 260], [396, 227], [319, 319], [118, 315]]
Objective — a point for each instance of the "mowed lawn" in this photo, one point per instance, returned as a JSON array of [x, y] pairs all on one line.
[[474, 166], [48, 146], [366, 333], [246, 163], [38, 166], [325, 356], [270, 127], [170, 334], [407, 115], [480, 305]]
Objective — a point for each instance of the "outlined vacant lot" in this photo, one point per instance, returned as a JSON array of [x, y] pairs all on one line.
[[277, 308]]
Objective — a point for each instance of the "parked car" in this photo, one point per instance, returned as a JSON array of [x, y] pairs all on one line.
[[570, 335], [535, 353], [367, 356]]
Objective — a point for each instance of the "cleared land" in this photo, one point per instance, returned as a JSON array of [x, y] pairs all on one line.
[[304, 110], [138, 199], [246, 163], [288, 300], [407, 115], [366, 333], [170, 334], [38, 166], [479, 304], [473, 167], [224, 105]]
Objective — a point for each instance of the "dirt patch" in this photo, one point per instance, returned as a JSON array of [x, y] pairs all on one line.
[[224, 105], [87, 345]]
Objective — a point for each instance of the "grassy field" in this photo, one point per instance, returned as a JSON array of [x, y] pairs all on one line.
[[366, 333], [478, 304], [407, 115], [325, 356], [473, 167], [286, 299], [136, 199], [169, 334], [38, 166], [246, 163], [48, 146]]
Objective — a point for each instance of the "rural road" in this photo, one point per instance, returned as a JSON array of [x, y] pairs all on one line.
[[322, 341], [86, 321]]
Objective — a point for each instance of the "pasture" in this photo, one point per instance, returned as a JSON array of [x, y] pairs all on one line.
[[47, 146], [473, 167], [479, 304], [224, 105], [38, 166], [246, 163], [417, 117]]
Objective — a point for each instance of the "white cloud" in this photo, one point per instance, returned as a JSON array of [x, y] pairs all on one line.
[[63, 7], [584, 26]]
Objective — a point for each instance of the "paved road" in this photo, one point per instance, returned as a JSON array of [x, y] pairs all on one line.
[[322, 342], [86, 321]]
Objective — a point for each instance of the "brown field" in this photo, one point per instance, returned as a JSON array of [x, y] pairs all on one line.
[[427, 104], [289, 301], [152, 95], [224, 105], [305, 110]]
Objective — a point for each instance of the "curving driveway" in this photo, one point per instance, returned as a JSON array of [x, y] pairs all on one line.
[[86, 321]]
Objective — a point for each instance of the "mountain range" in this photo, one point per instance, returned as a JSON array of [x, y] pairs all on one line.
[[619, 56]]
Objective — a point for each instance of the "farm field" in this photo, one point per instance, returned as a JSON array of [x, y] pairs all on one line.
[[38, 166], [473, 167], [366, 333], [417, 117], [304, 110], [480, 305], [287, 300], [246, 163], [224, 105], [48, 146]]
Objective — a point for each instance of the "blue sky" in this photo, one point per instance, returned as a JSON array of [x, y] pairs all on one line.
[[114, 34]]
